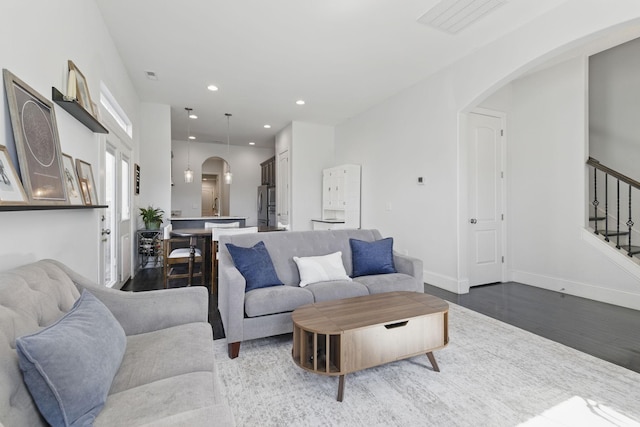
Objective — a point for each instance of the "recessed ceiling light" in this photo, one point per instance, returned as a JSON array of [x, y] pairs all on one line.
[[300, 102], [252, 143], [267, 126], [192, 137], [212, 88]]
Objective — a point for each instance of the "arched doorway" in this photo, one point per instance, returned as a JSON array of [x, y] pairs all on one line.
[[215, 193]]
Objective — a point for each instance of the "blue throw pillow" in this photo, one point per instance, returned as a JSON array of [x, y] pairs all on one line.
[[372, 257], [69, 366], [255, 265]]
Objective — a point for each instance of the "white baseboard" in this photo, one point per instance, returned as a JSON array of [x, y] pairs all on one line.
[[446, 282], [584, 290]]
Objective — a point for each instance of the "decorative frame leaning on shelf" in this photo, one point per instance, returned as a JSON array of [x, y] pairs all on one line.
[[11, 191], [82, 88], [36, 140], [87, 184], [71, 180]]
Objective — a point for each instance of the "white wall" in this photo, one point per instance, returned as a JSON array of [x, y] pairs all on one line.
[[546, 148], [311, 152], [311, 149], [155, 163], [245, 167], [416, 133], [59, 31], [614, 110]]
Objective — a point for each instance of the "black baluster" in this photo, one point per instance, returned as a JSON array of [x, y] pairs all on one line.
[[629, 224], [606, 207], [595, 200], [618, 216]]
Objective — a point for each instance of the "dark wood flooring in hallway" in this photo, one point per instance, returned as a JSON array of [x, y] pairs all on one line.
[[605, 331]]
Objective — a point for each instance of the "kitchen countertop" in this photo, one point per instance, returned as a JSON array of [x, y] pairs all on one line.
[[183, 218]]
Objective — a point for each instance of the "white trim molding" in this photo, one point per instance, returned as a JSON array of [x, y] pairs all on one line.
[[584, 290], [446, 282]]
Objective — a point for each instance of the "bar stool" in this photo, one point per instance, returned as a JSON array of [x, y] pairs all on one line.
[[174, 258]]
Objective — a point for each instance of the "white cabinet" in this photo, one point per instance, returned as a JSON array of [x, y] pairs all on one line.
[[341, 196]]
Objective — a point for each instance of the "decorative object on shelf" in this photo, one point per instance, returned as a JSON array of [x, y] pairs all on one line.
[[71, 180], [188, 173], [72, 87], [152, 217], [11, 191], [82, 89], [228, 176], [36, 141], [136, 168], [87, 183], [86, 193]]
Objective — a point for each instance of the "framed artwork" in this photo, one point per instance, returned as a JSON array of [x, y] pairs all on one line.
[[87, 184], [137, 177], [82, 89], [71, 180], [84, 189], [11, 191], [36, 139]]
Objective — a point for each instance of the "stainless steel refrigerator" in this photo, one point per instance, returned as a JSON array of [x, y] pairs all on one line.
[[266, 206]]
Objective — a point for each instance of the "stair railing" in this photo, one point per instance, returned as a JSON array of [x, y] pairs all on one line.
[[632, 185]]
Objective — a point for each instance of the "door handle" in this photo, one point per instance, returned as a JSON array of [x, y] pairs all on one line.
[[107, 231], [473, 220]]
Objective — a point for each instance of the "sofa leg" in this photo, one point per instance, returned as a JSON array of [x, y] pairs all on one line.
[[234, 349]]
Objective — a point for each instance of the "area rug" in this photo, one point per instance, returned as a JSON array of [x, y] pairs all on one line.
[[491, 374]]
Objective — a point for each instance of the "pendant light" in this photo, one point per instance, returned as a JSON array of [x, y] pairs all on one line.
[[228, 176], [188, 173]]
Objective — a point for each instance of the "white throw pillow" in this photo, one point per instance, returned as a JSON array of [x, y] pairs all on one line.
[[323, 268]]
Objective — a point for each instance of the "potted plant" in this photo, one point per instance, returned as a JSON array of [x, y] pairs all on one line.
[[152, 217]]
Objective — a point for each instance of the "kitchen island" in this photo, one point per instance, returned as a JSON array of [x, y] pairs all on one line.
[[198, 222]]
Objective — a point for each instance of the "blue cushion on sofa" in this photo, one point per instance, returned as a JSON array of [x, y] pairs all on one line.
[[69, 366], [372, 257], [255, 265]]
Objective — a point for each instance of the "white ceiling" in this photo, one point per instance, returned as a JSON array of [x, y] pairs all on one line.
[[341, 56]]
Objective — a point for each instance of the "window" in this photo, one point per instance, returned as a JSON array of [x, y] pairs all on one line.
[[114, 109]]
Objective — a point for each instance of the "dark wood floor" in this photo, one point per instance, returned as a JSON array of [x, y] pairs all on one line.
[[603, 330]]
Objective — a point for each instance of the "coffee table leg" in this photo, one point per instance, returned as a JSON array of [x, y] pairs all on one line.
[[341, 388], [432, 359]]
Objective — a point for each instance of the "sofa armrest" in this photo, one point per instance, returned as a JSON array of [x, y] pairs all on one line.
[[231, 288], [409, 265], [140, 312]]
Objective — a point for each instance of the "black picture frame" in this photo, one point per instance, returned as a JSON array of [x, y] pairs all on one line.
[[37, 144], [137, 178]]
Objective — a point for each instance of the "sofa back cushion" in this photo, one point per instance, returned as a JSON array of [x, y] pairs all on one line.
[[284, 245], [31, 297]]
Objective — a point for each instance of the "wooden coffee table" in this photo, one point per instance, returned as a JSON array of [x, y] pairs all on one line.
[[343, 336]]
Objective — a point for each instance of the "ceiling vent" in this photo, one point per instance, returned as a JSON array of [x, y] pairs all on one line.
[[452, 16], [151, 75]]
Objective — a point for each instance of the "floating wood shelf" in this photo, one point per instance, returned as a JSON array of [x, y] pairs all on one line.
[[8, 208], [77, 111]]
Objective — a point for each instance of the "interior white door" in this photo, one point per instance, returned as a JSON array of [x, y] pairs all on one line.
[[485, 223]]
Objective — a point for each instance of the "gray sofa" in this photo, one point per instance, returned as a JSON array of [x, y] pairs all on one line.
[[167, 376], [267, 311]]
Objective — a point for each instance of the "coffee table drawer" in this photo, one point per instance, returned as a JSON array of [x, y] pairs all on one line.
[[377, 344]]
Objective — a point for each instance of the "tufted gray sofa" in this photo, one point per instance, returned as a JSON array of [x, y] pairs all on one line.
[[267, 311], [167, 376]]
